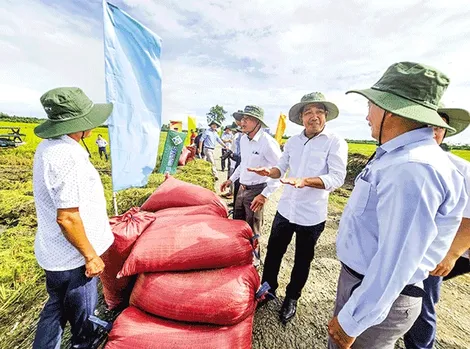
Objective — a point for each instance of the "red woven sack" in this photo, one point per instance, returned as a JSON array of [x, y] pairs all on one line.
[[218, 296], [190, 243], [126, 229], [210, 209], [134, 328], [183, 157], [175, 193]]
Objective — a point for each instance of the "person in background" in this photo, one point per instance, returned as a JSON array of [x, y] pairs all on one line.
[[193, 137], [101, 142], [227, 138], [456, 262], [73, 229], [197, 140], [402, 215], [316, 161], [208, 142]]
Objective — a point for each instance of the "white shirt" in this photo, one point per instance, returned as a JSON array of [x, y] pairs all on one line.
[[464, 167], [227, 137], [233, 147], [261, 151], [101, 142], [63, 177], [324, 156]]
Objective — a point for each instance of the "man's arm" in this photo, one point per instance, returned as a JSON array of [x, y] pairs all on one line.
[[273, 155], [72, 227]]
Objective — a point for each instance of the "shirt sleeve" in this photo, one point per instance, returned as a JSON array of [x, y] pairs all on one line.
[[203, 137], [283, 163], [407, 205], [65, 191], [220, 141], [272, 154], [337, 161]]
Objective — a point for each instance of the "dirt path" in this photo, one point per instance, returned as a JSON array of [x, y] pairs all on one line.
[[308, 329]]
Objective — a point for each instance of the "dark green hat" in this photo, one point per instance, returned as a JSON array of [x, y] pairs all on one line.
[[314, 97], [253, 111], [459, 119], [235, 127], [68, 111], [215, 122], [410, 90]]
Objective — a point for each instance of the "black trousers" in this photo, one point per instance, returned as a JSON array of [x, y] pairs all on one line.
[[224, 161], [305, 240]]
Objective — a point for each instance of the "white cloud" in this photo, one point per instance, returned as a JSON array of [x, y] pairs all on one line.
[[233, 53]]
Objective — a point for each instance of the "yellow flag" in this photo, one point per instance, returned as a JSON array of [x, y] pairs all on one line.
[[281, 127], [191, 126]]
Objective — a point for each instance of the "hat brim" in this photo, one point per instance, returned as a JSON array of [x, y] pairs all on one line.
[[98, 114], [459, 119], [403, 107], [294, 112], [239, 116], [215, 123]]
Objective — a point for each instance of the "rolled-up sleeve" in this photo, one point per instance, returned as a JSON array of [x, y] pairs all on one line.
[[337, 161], [406, 209]]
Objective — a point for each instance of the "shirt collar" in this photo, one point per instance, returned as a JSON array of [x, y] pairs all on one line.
[[257, 136], [324, 132], [413, 136], [74, 143]]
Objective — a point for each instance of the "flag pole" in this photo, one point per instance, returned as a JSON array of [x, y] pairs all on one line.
[[115, 203]]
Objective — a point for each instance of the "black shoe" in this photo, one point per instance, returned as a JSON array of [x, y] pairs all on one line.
[[288, 309]]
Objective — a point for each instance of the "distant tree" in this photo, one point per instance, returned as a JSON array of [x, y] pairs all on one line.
[[216, 113]]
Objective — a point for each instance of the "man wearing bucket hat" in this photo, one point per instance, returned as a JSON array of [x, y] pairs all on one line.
[[227, 138], [73, 228], [316, 160], [257, 149], [208, 141], [402, 215], [456, 262]]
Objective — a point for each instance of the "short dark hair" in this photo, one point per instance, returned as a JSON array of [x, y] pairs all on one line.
[[318, 104]]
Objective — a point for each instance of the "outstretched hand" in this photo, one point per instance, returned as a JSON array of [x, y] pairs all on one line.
[[261, 171], [295, 182], [225, 185]]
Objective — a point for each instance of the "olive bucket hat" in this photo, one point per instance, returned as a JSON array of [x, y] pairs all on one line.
[[459, 119], [410, 90], [314, 97], [253, 111], [69, 110]]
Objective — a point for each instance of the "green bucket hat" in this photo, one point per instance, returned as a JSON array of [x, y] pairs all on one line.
[[314, 97], [410, 90], [69, 110], [459, 119], [215, 122], [253, 111], [234, 127]]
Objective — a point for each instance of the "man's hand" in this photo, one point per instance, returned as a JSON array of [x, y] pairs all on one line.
[[447, 264], [94, 266], [225, 185], [260, 171], [336, 332], [258, 203], [296, 182]]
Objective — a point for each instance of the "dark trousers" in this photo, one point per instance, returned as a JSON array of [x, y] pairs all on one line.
[[242, 210], [305, 240], [423, 332], [224, 161], [236, 188], [101, 151], [73, 298]]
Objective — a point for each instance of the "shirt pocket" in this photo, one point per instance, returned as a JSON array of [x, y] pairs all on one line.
[[316, 161], [360, 197]]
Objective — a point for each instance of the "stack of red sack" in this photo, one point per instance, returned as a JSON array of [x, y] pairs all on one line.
[[187, 154], [185, 270]]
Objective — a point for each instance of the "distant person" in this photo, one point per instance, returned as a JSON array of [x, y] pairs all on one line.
[[73, 229], [208, 142], [402, 215], [456, 262], [193, 136], [197, 140], [101, 142], [227, 138], [315, 161]]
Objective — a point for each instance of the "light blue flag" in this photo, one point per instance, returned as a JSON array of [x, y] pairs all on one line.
[[134, 85]]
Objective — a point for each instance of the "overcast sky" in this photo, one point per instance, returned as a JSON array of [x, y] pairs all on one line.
[[234, 53]]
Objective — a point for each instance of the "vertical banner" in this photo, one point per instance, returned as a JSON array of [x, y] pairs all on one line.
[[134, 85], [171, 152], [191, 127], [281, 127], [176, 126]]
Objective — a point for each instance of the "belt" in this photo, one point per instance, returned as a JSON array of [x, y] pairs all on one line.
[[408, 290], [254, 186], [208, 148]]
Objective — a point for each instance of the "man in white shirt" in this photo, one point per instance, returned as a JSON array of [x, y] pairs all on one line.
[[101, 143], [227, 138], [316, 160], [257, 149], [73, 228], [423, 332]]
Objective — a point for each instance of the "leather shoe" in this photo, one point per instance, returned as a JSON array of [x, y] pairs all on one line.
[[288, 309]]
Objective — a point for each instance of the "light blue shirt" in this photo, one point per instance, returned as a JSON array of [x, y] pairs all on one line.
[[399, 223], [209, 139]]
